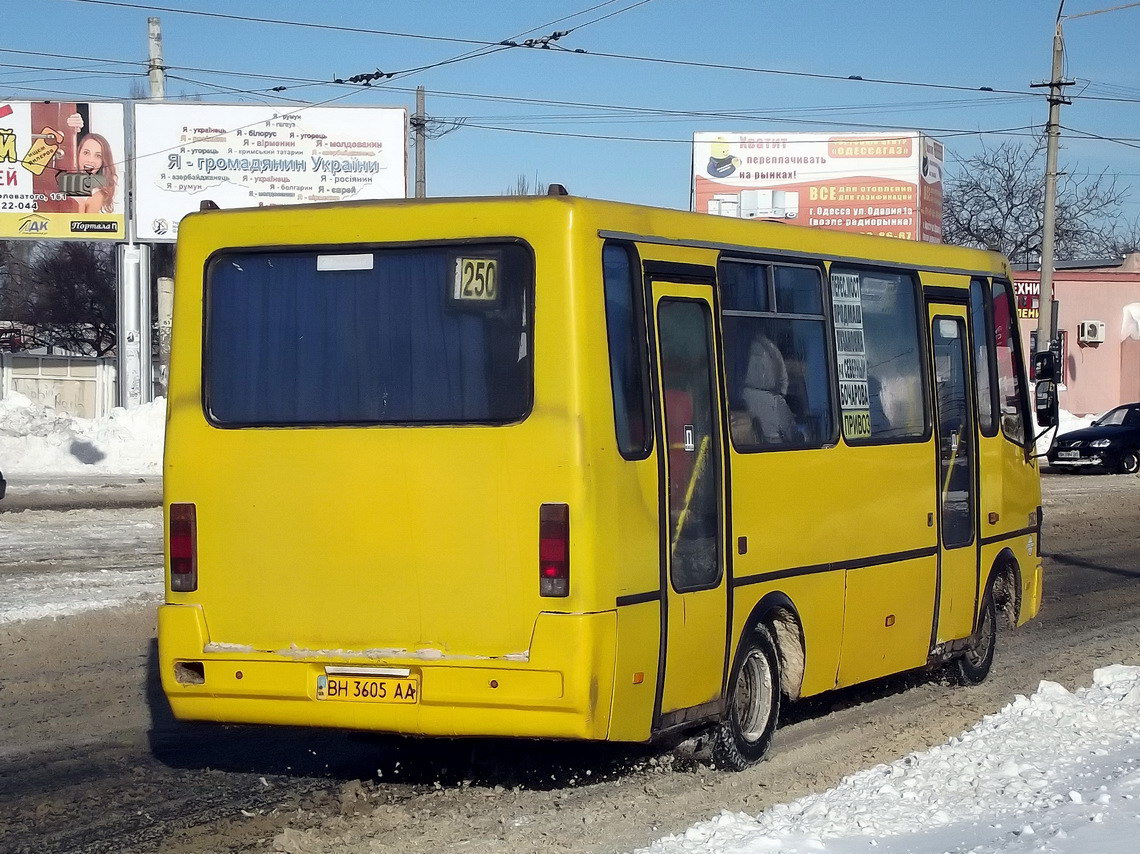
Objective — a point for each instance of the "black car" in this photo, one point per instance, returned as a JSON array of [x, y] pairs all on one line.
[[3, 485], [1112, 441]]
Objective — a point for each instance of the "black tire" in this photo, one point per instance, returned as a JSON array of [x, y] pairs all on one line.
[[1129, 463], [744, 734], [973, 666]]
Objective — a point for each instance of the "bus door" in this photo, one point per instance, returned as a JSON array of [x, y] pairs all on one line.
[[957, 464], [693, 516]]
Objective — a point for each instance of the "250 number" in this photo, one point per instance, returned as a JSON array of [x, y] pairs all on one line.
[[477, 279]]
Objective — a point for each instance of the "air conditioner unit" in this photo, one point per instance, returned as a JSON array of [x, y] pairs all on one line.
[[1090, 332]]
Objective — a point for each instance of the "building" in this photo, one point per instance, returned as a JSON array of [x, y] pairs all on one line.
[[1098, 322]]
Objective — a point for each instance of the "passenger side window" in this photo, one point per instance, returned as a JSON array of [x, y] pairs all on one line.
[[775, 351], [879, 355], [621, 279], [1007, 356], [983, 364]]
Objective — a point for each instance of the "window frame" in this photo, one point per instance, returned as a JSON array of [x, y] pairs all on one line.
[[971, 403], [770, 262], [924, 356], [991, 355], [724, 517], [641, 334], [363, 248], [1018, 366]]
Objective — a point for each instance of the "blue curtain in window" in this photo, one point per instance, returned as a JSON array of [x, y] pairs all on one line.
[[290, 345]]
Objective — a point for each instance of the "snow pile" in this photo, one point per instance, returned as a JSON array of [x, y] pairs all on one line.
[[36, 440], [1057, 772]]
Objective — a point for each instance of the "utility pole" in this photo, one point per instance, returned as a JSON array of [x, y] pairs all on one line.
[[134, 368], [1047, 310], [1047, 314], [419, 125], [157, 71]]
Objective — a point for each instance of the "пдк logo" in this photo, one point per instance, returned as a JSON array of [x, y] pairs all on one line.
[[34, 224], [160, 226]]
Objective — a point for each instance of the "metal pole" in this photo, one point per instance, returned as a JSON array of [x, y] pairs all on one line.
[[419, 124], [129, 341], [1046, 316], [146, 361], [135, 373], [157, 72], [165, 320]]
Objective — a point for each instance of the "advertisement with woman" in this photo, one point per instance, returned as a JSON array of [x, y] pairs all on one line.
[[61, 166]]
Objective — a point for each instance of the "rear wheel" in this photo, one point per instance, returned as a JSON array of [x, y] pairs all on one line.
[[744, 734], [973, 666], [1129, 462]]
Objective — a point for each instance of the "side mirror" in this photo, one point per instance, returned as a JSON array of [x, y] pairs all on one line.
[[1046, 401], [1045, 366]]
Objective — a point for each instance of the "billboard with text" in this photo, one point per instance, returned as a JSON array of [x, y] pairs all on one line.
[[61, 170], [884, 184], [247, 156]]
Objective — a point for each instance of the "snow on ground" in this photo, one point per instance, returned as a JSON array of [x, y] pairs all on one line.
[[57, 563], [35, 439], [1066, 423], [1055, 772]]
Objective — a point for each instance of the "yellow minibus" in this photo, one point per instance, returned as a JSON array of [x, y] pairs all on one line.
[[552, 467]]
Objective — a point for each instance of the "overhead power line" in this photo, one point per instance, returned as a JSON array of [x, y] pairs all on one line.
[[1017, 131], [379, 75], [312, 25], [821, 76], [1127, 141], [310, 81]]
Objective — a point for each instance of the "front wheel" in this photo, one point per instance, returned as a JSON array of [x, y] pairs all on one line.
[[973, 666], [1129, 463], [744, 733]]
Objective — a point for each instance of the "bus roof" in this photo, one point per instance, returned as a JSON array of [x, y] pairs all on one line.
[[667, 225]]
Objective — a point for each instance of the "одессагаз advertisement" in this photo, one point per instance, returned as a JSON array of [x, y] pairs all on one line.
[[888, 185]]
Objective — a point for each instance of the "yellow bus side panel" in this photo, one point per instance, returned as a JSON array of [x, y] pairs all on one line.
[[879, 637], [635, 671], [818, 599]]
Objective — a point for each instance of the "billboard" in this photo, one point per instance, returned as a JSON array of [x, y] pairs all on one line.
[[61, 170], [247, 156], [884, 184], [1028, 295]]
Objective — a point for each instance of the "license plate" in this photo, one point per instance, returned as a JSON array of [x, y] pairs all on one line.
[[1068, 455], [368, 689]]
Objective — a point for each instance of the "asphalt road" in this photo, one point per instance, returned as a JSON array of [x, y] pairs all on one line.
[[90, 760], [77, 492]]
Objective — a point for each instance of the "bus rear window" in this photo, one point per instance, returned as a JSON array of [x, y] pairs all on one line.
[[347, 335]]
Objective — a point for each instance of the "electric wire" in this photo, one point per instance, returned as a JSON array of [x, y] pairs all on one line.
[[1016, 131], [149, 7], [1127, 141]]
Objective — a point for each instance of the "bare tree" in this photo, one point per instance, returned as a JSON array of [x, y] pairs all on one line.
[[997, 200], [62, 294], [524, 187]]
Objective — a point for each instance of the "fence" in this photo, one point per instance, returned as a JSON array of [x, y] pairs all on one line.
[[79, 385]]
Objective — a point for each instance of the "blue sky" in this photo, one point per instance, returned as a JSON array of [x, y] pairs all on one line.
[[999, 43]]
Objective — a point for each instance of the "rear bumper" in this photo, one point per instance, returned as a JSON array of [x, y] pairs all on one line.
[[563, 690]]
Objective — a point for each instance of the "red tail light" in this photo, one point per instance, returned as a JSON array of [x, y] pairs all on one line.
[[554, 550], [183, 530]]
